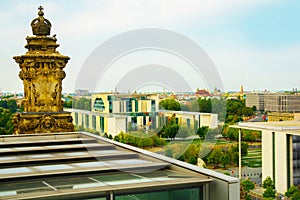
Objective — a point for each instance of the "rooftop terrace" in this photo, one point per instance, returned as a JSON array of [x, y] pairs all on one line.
[[84, 166]]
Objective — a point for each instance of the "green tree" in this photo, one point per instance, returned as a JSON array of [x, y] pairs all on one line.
[[244, 147], [268, 183], [171, 131], [269, 193], [295, 196], [215, 157], [218, 106], [6, 125], [194, 106], [68, 104], [192, 160], [183, 132], [10, 104], [246, 111], [170, 104], [224, 159], [202, 131], [236, 108], [82, 103], [169, 152], [291, 191], [204, 105], [233, 157], [233, 133], [247, 185], [248, 197]]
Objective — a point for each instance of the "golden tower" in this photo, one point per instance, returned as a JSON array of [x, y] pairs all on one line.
[[42, 74]]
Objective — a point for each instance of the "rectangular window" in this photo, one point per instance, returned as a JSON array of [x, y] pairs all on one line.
[[102, 124], [186, 194], [128, 105], [288, 161], [196, 125], [110, 106], [296, 159], [76, 119], [94, 122], [152, 105], [136, 105], [188, 123], [87, 123], [273, 153]]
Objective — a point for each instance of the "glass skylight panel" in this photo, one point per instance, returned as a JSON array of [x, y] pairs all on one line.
[[68, 183], [131, 181], [90, 164], [8, 193], [4, 158], [6, 149], [103, 152], [114, 177], [40, 156], [59, 146], [53, 167], [75, 154], [88, 185], [26, 148], [128, 162], [15, 170]]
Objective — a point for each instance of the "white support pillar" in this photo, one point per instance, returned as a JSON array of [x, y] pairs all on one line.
[[240, 153]]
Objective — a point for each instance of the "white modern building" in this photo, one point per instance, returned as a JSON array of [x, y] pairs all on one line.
[[112, 113], [113, 124], [280, 151]]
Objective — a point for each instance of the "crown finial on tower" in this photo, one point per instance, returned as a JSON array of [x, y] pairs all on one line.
[[41, 26], [41, 13]]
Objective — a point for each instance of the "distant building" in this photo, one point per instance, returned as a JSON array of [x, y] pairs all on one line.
[[113, 124], [191, 119], [124, 103], [257, 100], [242, 90], [280, 151], [274, 102], [81, 92], [282, 102], [202, 93], [112, 113], [281, 116]]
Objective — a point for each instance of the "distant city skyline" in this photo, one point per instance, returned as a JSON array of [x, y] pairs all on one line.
[[252, 43]]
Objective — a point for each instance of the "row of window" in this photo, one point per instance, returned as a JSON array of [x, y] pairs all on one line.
[[99, 105]]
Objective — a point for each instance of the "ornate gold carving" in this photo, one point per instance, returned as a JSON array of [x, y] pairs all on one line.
[[41, 70], [43, 123], [40, 25]]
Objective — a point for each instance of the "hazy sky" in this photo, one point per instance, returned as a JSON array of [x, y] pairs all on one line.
[[254, 43]]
